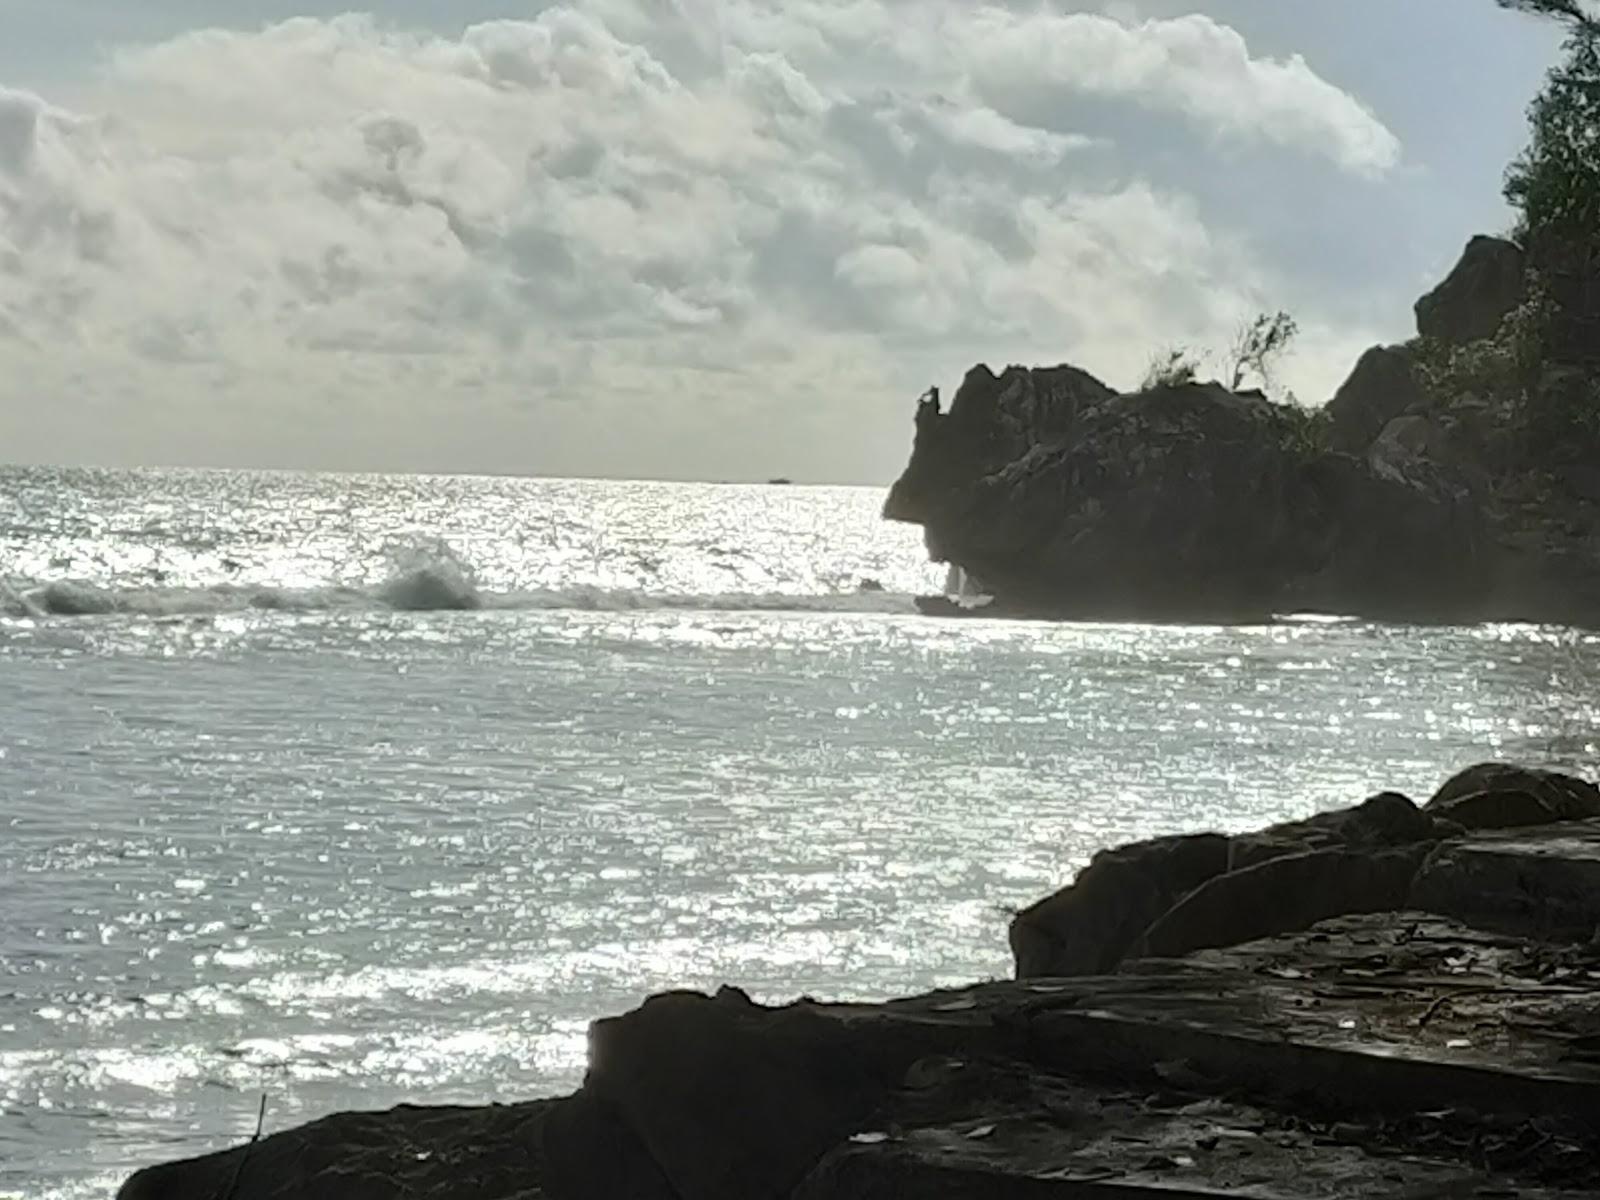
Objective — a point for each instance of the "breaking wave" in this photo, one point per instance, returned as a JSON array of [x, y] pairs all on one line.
[[425, 576], [420, 591]]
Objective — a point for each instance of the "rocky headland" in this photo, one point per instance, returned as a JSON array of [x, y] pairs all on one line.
[[1390, 1000], [1452, 478]]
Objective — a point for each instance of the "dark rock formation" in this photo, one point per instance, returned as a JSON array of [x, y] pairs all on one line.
[[993, 422], [1367, 1003], [1566, 797], [1475, 297], [1382, 387], [1173, 895], [491, 1153], [1124, 894], [1185, 502], [1440, 484], [1283, 895], [1088, 928]]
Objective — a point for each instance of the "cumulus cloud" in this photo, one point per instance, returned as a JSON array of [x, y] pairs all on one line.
[[1037, 63], [624, 238]]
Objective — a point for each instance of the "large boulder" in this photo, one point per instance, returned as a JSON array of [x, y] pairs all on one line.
[[1488, 282], [1498, 795], [1086, 929], [730, 1099], [1382, 387]]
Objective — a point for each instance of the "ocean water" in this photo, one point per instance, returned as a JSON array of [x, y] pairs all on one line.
[[348, 791]]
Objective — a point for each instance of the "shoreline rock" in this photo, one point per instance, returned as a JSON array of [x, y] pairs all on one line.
[[1422, 492], [1388, 1000]]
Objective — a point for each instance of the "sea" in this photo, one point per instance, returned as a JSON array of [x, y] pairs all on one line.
[[341, 791]]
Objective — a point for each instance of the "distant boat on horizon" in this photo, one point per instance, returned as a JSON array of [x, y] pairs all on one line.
[[780, 482]]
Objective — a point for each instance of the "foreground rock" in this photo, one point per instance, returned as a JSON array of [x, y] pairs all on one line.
[[1376, 1002], [1441, 484]]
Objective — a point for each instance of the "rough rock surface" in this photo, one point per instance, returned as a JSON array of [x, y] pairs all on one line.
[[1438, 1038], [1184, 502], [1486, 284], [492, 1153], [1124, 893], [1439, 485], [1382, 387]]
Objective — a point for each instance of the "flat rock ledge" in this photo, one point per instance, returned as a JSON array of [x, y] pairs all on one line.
[[1387, 1001]]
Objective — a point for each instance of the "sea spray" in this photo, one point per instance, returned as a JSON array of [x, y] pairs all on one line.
[[429, 576]]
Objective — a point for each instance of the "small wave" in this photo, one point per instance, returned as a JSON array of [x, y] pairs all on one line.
[[419, 591]]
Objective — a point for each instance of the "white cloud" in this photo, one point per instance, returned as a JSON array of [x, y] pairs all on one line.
[[628, 238], [1039, 61]]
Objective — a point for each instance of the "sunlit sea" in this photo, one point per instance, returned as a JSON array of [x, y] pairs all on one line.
[[355, 790]]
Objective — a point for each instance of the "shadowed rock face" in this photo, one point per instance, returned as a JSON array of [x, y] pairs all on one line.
[[1383, 386], [1187, 502], [1475, 297], [1207, 890], [1065, 499]]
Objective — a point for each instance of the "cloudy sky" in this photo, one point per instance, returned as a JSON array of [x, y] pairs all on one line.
[[719, 239]]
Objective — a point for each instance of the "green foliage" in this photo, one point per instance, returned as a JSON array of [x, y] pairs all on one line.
[[1257, 346], [1504, 368], [1310, 429], [1170, 368], [1555, 184]]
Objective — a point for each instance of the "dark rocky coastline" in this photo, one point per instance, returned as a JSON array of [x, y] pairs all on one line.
[[1390, 1000], [1448, 481]]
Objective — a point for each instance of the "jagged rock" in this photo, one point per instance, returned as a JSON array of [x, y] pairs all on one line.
[[1486, 284], [1382, 387], [992, 422], [1188, 502], [1087, 928]]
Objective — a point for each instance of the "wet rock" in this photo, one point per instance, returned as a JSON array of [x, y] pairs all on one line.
[[1486, 284]]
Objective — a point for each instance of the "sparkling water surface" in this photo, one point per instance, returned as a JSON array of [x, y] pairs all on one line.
[[358, 790]]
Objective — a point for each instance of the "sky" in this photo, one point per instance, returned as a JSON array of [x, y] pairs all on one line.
[[701, 239]]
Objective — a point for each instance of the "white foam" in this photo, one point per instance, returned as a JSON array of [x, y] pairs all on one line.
[[421, 591]]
